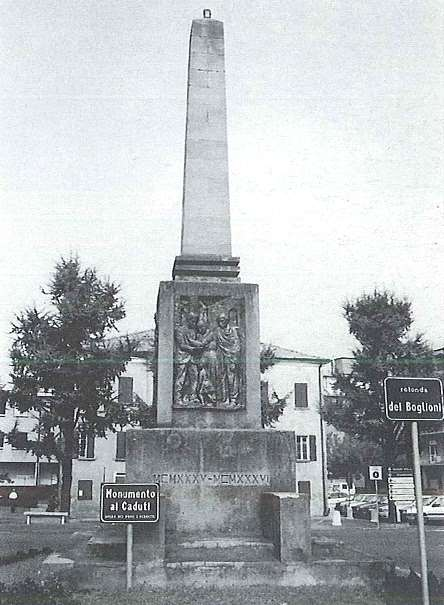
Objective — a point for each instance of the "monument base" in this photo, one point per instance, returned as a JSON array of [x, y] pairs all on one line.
[[212, 480]]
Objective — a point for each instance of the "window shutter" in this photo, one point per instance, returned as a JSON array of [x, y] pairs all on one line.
[[90, 443], [20, 440], [2, 439], [304, 487], [300, 395], [313, 447], [3, 400], [125, 389], [84, 489], [121, 446]]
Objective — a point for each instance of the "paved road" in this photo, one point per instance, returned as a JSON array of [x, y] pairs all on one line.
[[397, 542]]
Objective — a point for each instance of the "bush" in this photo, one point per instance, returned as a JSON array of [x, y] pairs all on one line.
[[30, 592], [22, 555]]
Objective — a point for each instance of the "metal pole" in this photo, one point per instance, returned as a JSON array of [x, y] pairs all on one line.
[[420, 517], [377, 503], [129, 556]]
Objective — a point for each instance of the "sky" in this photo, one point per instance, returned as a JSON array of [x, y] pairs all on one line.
[[335, 134]]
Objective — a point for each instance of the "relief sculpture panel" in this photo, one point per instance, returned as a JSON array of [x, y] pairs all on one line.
[[209, 352]]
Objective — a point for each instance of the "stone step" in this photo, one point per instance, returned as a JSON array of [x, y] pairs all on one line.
[[222, 550], [92, 574], [110, 546], [271, 573]]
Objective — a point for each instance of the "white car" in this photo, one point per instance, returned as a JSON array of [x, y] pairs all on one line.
[[435, 510], [410, 514], [334, 499]]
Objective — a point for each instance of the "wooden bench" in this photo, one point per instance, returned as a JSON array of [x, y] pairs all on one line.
[[42, 513]]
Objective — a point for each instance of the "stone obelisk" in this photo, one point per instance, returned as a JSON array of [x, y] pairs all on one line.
[[206, 232], [208, 322], [209, 453]]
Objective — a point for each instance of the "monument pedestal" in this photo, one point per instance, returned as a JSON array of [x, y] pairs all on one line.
[[213, 480], [207, 372]]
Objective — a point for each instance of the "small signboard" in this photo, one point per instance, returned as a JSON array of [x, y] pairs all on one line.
[[413, 399], [375, 473], [129, 503]]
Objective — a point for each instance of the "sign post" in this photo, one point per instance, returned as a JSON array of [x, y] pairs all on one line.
[[415, 399], [129, 503], [375, 473], [401, 489], [420, 515], [129, 556]]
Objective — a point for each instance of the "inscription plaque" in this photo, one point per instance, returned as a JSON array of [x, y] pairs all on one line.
[[213, 479]]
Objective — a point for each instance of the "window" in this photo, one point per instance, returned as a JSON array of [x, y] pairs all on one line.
[[304, 487], [3, 400], [2, 440], [120, 478], [20, 441], [125, 389], [121, 445], [433, 452], [300, 395], [305, 448], [86, 445], [84, 489]]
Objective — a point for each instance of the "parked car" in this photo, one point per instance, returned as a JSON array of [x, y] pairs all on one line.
[[383, 509], [365, 512], [410, 514], [335, 499], [360, 511], [353, 502], [341, 485], [403, 508], [434, 511]]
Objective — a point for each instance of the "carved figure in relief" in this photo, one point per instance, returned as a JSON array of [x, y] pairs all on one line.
[[207, 355], [206, 364], [187, 346], [228, 351]]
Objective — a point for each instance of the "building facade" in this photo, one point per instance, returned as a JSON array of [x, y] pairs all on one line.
[[18, 467], [103, 459], [300, 379], [432, 459]]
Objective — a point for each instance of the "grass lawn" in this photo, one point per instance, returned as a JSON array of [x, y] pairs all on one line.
[[253, 595]]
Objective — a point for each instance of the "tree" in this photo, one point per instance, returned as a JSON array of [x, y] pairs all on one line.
[[271, 408], [348, 456], [381, 323], [63, 371]]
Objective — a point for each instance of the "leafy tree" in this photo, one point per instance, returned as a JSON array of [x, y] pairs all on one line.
[[271, 408], [347, 456], [267, 357], [63, 371], [381, 323]]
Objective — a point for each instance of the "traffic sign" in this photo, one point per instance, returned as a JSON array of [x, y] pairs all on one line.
[[413, 399], [129, 503], [375, 473]]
